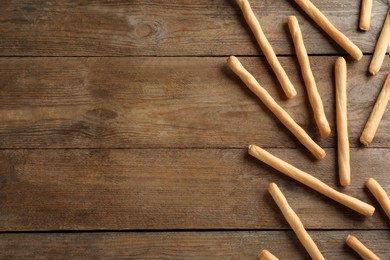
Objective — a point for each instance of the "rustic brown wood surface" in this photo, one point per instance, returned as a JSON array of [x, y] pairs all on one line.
[[123, 133]]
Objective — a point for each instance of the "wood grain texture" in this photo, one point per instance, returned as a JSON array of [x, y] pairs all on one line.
[[169, 102], [177, 28]]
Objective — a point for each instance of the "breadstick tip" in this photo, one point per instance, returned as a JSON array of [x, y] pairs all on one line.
[[291, 18], [364, 140], [369, 181], [373, 70], [240, 2]]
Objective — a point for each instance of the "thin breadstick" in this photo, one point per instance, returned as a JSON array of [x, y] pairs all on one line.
[[266, 48], [320, 19], [379, 194], [381, 47], [365, 15], [307, 74], [294, 221], [376, 114], [278, 111], [310, 181], [342, 122], [267, 255], [361, 249]]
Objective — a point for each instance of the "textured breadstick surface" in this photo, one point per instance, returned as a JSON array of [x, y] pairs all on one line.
[[379, 194], [381, 47], [365, 15], [267, 255], [361, 249]]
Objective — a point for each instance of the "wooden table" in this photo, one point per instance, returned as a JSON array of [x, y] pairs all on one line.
[[123, 132]]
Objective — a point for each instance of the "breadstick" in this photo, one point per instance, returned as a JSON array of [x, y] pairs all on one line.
[[310, 181], [380, 195], [267, 255], [320, 19], [359, 248], [294, 222], [278, 111], [376, 114], [307, 74], [381, 47], [365, 15], [342, 122], [266, 48]]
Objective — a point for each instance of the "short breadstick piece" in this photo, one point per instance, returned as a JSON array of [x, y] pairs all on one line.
[[267, 255], [266, 48], [365, 15], [307, 74], [310, 181], [379, 194], [323, 22], [294, 221], [376, 114], [342, 122], [381, 47], [278, 111], [361, 249]]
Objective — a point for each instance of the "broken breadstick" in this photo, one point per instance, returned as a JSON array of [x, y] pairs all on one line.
[[294, 221], [342, 122], [361, 249], [381, 47], [310, 181], [320, 19], [376, 114], [365, 15], [379, 194], [278, 111], [266, 48], [307, 74], [267, 255]]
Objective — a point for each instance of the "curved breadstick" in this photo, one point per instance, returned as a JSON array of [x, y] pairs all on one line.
[[379, 194], [266, 48], [294, 222], [310, 181], [381, 47], [376, 114], [278, 111], [323, 22], [365, 15], [363, 251], [342, 122], [267, 255], [307, 74]]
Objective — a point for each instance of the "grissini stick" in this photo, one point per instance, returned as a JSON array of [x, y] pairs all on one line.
[[320, 19], [380, 195], [267, 255], [365, 15], [376, 114], [361, 249], [294, 221], [266, 48], [381, 47], [278, 111], [310, 181], [307, 74], [342, 122]]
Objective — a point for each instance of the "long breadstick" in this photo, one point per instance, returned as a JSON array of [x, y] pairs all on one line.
[[365, 15], [342, 122], [310, 181], [380, 195], [323, 22], [278, 111], [376, 114], [294, 222], [267, 255], [307, 74], [266, 48], [361, 249], [381, 47]]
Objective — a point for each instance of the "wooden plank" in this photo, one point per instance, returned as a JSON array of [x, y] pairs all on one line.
[[180, 28], [144, 189], [168, 102]]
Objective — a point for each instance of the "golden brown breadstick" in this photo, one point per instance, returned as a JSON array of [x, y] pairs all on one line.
[[294, 222], [307, 74], [376, 114], [278, 111], [359, 248], [310, 181], [266, 255], [381, 47], [342, 122], [365, 15], [266, 48], [380, 195], [323, 22]]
